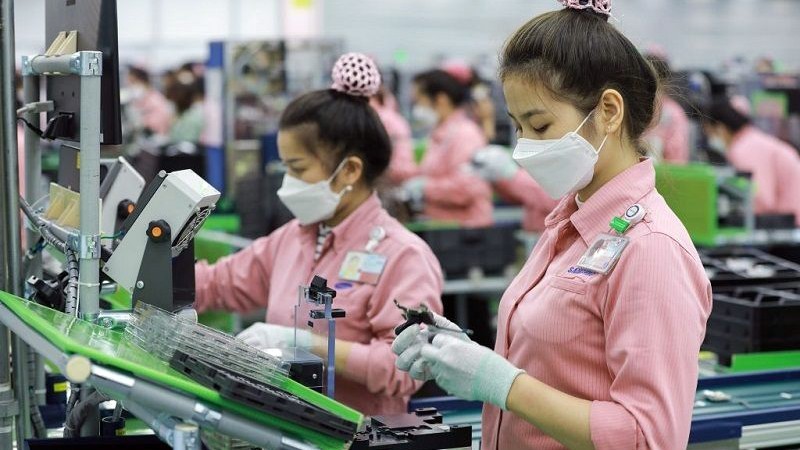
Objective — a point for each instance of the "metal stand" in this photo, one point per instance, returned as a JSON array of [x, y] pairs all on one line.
[[319, 293], [88, 65], [9, 222]]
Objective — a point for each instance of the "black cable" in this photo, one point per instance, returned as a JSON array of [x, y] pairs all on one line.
[[32, 127]]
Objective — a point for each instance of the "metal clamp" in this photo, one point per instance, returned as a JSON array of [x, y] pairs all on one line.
[[88, 64], [83, 64], [206, 416], [88, 246]]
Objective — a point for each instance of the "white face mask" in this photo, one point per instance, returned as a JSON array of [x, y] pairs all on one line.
[[424, 116], [561, 165], [717, 143], [311, 202]]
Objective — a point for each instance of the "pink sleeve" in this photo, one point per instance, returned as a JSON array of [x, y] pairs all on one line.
[[655, 315], [413, 278], [458, 187], [676, 139], [522, 189], [239, 282], [402, 166]]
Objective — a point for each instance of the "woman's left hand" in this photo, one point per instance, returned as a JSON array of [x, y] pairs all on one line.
[[470, 371], [267, 335]]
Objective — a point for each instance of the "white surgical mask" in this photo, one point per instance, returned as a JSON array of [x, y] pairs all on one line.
[[424, 116], [561, 165], [311, 202], [717, 143]]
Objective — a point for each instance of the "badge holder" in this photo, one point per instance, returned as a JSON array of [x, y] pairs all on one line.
[[604, 253]]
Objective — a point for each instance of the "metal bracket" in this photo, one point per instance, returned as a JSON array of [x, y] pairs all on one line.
[[89, 64], [27, 70], [205, 415], [88, 246]]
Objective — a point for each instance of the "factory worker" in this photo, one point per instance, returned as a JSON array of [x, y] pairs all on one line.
[[669, 137], [334, 148], [496, 165], [774, 164], [598, 335], [444, 186], [402, 166]]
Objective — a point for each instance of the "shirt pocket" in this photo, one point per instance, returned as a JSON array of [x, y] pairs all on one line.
[[558, 311]]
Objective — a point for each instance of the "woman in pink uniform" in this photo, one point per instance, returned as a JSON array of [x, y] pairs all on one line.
[[774, 164], [446, 187], [402, 167], [669, 137], [334, 148], [598, 335]]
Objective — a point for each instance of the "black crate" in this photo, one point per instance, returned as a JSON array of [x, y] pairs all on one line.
[[460, 250], [754, 319], [729, 268]]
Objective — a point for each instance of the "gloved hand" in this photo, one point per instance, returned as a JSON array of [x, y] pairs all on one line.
[[408, 345], [468, 370], [414, 192], [266, 335], [494, 163]]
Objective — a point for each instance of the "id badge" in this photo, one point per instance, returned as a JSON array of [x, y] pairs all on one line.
[[362, 267], [603, 254]]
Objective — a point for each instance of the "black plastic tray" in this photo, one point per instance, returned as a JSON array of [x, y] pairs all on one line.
[[754, 319], [724, 278], [420, 430], [461, 249], [261, 396]]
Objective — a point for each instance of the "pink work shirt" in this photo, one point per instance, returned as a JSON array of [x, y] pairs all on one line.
[[452, 192], [627, 341], [523, 190], [269, 272], [775, 166], [155, 111], [402, 166], [669, 137]]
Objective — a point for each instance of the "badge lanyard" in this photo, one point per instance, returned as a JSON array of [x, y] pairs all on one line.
[[605, 251]]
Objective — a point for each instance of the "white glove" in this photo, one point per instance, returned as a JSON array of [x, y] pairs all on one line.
[[494, 163], [414, 192], [408, 346], [266, 335], [468, 370]]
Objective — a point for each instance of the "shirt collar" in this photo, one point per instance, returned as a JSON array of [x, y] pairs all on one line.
[[342, 234], [612, 199]]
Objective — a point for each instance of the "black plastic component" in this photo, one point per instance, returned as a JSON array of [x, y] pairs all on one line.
[[420, 430], [413, 316], [125, 209], [239, 388], [111, 427], [775, 221], [336, 313], [62, 124], [319, 289], [725, 278], [159, 231], [461, 249], [754, 319], [150, 442]]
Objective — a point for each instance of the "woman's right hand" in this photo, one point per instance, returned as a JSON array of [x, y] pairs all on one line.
[[408, 345]]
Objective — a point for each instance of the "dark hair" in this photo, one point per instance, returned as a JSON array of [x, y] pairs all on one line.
[[139, 73], [182, 95], [661, 66], [721, 111], [341, 125], [434, 82], [576, 55]]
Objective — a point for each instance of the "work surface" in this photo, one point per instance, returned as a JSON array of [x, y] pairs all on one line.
[[110, 349]]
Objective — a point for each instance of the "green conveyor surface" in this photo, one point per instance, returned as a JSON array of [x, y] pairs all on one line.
[[109, 348]]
